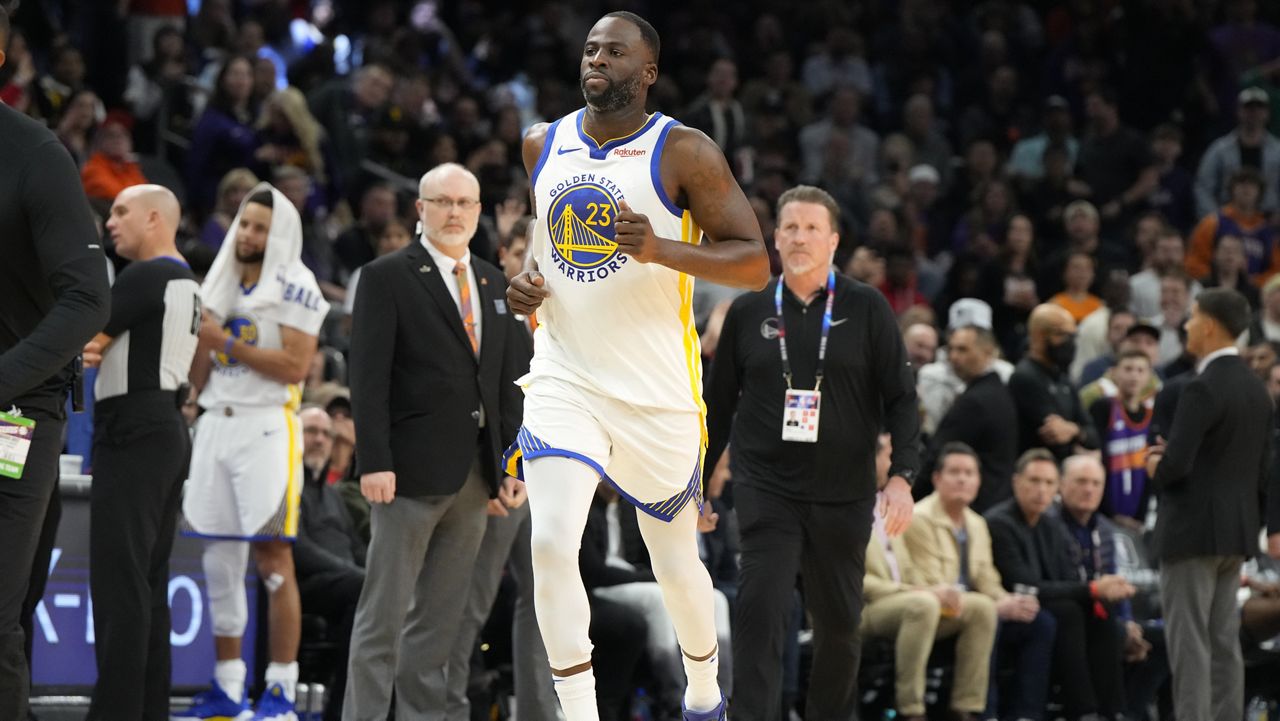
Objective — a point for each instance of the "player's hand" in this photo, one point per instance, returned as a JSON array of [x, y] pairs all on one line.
[[635, 237], [378, 487], [91, 356], [1114, 588], [526, 292], [512, 493], [212, 336], [896, 506], [496, 508]]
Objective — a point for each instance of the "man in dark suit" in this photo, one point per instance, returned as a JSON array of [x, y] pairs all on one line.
[[1209, 478], [1033, 550], [434, 357], [982, 418]]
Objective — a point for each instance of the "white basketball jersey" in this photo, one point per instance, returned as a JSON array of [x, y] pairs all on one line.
[[290, 298], [612, 324]]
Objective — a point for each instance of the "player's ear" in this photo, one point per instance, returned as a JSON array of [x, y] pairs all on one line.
[[650, 73]]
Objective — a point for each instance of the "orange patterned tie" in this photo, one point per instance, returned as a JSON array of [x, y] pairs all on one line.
[[464, 305]]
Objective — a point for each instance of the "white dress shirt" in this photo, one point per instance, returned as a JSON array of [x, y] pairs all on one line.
[[1204, 362]]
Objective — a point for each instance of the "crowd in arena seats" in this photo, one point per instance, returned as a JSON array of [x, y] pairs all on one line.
[[1040, 190]]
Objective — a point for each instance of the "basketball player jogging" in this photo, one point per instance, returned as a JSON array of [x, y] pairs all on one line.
[[622, 200], [263, 313]]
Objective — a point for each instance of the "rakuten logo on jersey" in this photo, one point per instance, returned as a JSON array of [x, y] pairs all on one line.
[[629, 152]]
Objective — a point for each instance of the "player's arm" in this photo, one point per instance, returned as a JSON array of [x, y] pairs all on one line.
[[528, 289], [736, 255], [288, 364]]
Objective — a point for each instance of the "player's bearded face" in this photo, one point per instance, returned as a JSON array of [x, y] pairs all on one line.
[[617, 94]]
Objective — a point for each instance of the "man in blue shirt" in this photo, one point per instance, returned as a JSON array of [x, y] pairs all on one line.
[[1095, 550]]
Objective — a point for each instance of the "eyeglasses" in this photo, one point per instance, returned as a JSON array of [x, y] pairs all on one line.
[[463, 204]]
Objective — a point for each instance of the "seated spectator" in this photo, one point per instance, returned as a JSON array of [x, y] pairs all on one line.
[[75, 126], [1095, 536], [1091, 333], [1174, 195], [1119, 322], [1175, 307], [981, 418], [903, 608], [1266, 321], [950, 545], [357, 245], [55, 90], [291, 136], [1243, 218], [921, 341], [1168, 253], [224, 137], [154, 89], [1008, 285], [1248, 145], [1047, 198], [937, 383], [856, 161], [328, 553], [1080, 221], [866, 265], [1230, 270], [1026, 161], [614, 568], [1034, 551], [346, 108], [231, 191], [900, 285], [391, 237], [112, 167], [1049, 411], [1077, 278]]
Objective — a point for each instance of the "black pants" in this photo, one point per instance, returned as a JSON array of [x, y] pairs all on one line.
[[1087, 660], [23, 506], [334, 596], [826, 543], [617, 632], [140, 454]]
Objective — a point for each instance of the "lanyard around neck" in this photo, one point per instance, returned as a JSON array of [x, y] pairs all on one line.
[[826, 330]]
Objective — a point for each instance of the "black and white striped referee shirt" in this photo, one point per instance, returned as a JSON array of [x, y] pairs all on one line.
[[155, 322]]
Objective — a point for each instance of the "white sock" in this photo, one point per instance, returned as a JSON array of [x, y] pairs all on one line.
[[230, 676], [703, 691], [285, 674], [578, 696]]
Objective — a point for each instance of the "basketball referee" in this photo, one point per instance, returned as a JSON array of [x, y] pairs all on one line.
[[53, 298], [140, 454]]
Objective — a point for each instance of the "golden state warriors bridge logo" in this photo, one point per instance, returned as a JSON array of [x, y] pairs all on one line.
[[241, 328], [582, 239]]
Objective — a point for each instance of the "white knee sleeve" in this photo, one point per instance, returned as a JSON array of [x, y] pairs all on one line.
[[225, 563]]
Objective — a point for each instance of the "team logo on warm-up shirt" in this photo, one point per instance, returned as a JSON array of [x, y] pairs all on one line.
[[581, 223], [242, 328]]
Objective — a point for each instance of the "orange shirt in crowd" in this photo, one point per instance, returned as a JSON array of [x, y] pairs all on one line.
[[1080, 307], [104, 178], [1260, 247]]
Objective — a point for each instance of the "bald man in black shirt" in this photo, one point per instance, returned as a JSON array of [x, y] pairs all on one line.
[[53, 298]]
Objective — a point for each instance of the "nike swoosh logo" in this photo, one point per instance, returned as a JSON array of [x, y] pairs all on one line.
[[835, 323], [562, 151]]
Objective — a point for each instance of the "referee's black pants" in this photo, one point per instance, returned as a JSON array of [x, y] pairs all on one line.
[[23, 503], [140, 454], [826, 543]]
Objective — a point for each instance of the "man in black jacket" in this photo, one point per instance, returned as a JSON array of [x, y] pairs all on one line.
[[1049, 411], [328, 553], [982, 418], [434, 358], [1031, 550], [55, 298], [1210, 479]]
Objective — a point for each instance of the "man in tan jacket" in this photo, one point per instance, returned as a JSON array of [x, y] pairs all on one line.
[[902, 607], [950, 545]]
